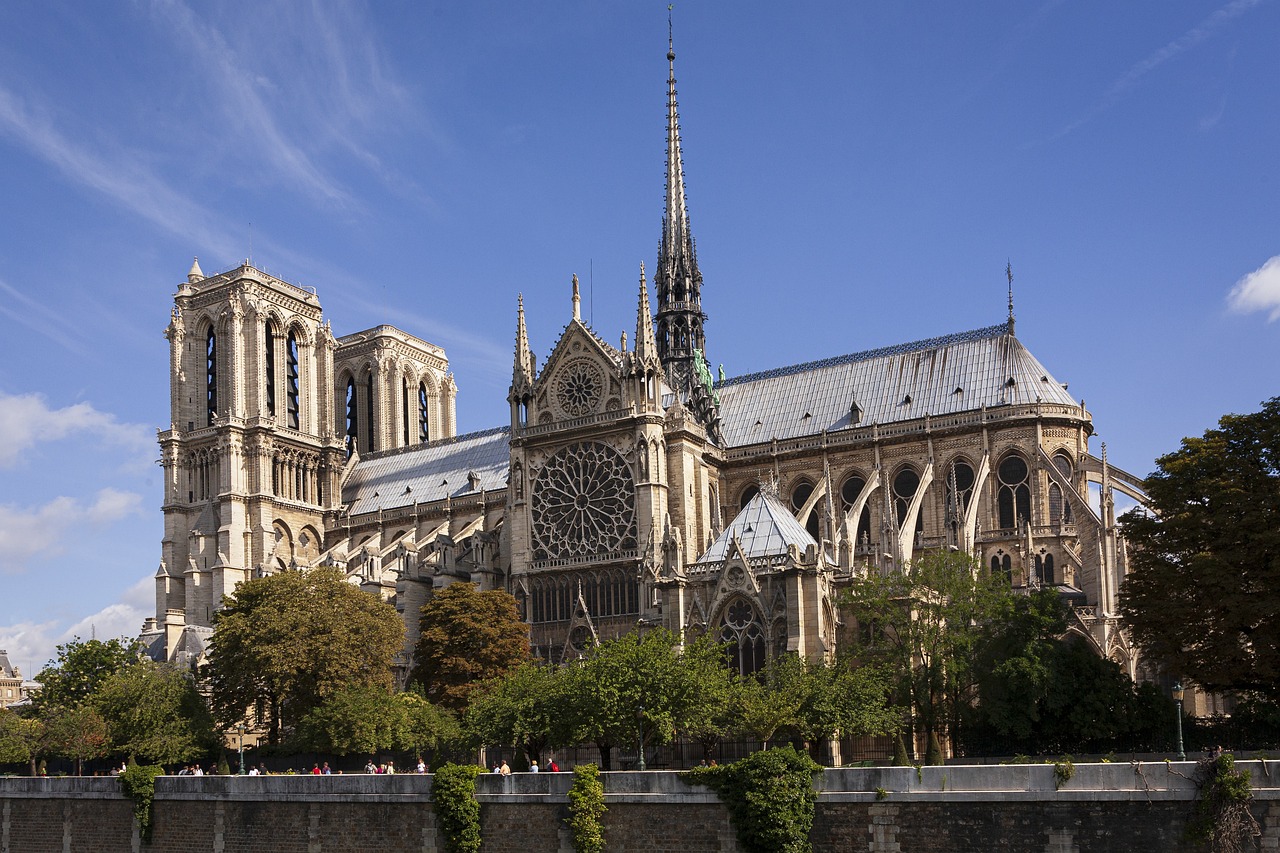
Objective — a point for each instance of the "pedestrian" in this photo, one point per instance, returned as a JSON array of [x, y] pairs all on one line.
[[422, 765], [370, 767], [533, 766], [497, 768], [552, 766], [505, 770], [325, 771]]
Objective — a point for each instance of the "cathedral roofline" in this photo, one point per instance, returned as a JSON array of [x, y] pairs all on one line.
[[984, 333]]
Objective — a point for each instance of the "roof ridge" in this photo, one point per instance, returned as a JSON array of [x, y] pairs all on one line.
[[984, 333], [439, 442]]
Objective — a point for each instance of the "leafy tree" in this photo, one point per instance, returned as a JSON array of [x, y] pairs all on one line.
[[364, 719], [292, 640], [81, 668], [154, 711], [925, 625], [832, 698], [19, 738], [759, 711], [78, 733], [638, 687], [467, 637], [522, 708], [1016, 664], [1200, 593]]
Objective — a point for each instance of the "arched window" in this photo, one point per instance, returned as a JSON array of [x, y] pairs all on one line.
[[1048, 576], [799, 497], [1038, 571], [370, 424], [743, 636], [1059, 508], [291, 390], [211, 376], [424, 419], [1007, 565], [353, 418], [905, 484], [747, 494], [1014, 499], [960, 479], [269, 357], [849, 496]]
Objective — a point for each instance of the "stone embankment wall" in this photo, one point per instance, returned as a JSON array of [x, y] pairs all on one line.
[[1103, 807]]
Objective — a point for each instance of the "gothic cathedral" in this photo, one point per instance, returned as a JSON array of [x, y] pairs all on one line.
[[631, 487]]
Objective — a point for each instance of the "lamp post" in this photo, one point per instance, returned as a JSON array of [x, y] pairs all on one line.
[[640, 734], [1177, 697], [240, 731]]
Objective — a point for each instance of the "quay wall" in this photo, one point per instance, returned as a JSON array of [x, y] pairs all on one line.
[[1103, 807]]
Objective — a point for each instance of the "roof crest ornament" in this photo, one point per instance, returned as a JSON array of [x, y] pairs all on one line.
[[577, 300], [1008, 271]]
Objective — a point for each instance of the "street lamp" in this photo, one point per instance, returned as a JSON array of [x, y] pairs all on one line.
[[1177, 697], [240, 731], [640, 732]]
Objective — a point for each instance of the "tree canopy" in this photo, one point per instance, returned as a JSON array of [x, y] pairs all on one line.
[[154, 712], [1200, 596], [467, 637], [364, 719], [81, 668], [293, 639]]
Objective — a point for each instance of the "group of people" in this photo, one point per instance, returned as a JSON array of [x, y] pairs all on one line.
[[505, 769]]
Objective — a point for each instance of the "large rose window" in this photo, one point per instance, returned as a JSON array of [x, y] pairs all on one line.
[[584, 503]]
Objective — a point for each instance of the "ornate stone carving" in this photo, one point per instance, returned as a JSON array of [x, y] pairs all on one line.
[[584, 502], [579, 387]]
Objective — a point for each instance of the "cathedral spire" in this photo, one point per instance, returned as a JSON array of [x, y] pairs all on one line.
[[522, 372], [646, 344], [676, 277]]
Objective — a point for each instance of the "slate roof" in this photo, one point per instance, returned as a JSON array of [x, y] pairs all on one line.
[[427, 472], [764, 528], [6, 668], [937, 376]]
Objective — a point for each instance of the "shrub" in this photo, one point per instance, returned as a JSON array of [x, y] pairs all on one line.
[[453, 793], [586, 807], [1222, 818], [770, 798]]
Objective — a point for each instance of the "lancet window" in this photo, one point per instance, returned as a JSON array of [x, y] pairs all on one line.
[[1059, 507], [905, 483], [849, 492], [1013, 501], [291, 388], [743, 636], [799, 497], [424, 419], [269, 366], [353, 417], [211, 376]]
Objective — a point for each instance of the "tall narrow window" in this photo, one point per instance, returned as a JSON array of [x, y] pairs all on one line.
[[1048, 570], [211, 376], [1059, 507], [424, 420], [904, 489], [353, 418], [404, 409], [743, 636], [292, 389], [960, 479], [269, 356], [1014, 500], [370, 425], [849, 495]]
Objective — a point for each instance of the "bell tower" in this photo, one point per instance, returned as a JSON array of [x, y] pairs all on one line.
[[251, 460]]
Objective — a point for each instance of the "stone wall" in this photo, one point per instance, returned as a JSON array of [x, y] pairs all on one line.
[[1104, 807]]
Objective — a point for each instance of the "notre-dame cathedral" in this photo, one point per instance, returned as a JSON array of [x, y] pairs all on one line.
[[631, 486]]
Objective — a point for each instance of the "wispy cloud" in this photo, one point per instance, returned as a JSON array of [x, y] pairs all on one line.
[[118, 176], [31, 645], [1131, 78], [42, 319], [27, 420], [26, 533], [1258, 291]]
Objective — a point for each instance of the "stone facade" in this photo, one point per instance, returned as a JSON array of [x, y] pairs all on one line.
[[630, 488]]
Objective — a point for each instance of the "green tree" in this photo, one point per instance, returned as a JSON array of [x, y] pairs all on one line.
[[467, 637], [925, 625], [81, 668], [78, 733], [1200, 596], [154, 712], [19, 738], [1016, 664], [522, 708], [291, 640], [368, 719]]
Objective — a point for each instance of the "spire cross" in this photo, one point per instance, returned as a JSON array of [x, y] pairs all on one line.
[[1008, 271]]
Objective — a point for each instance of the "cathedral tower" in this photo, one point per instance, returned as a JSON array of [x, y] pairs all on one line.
[[251, 459]]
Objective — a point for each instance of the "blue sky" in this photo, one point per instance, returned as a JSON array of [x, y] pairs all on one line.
[[858, 176]]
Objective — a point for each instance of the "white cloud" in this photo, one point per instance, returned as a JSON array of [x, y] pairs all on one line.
[[1258, 291], [42, 531], [31, 645], [27, 419]]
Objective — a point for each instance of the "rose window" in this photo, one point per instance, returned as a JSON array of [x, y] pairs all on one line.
[[583, 503], [579, 388]]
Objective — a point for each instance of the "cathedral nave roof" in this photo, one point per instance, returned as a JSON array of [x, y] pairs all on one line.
[[938, 376]]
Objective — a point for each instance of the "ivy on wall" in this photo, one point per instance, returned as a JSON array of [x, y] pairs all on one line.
[[453, 793], [769, 796], [138, 783], [586, 807]]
